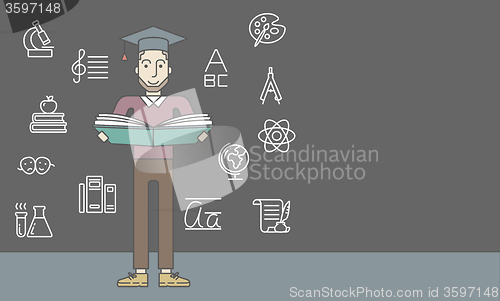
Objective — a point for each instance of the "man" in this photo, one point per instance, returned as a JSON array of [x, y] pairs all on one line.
[[152, 163]]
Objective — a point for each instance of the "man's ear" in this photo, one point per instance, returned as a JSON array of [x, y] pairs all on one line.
[[136, 70], [169, 69]]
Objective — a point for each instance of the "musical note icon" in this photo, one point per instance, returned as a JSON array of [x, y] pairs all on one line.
[[96, 65], [78, 68]]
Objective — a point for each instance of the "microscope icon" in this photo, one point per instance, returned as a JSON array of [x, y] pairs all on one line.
[[34, 51]]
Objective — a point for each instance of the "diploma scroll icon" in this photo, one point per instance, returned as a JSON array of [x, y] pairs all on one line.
[[273, 214]]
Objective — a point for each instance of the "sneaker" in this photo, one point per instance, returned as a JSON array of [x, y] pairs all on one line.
[[172, 280], [134, 280]]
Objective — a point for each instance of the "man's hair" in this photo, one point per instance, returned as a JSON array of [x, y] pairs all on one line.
[[163, 51]]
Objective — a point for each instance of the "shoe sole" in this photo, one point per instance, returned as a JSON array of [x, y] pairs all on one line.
[[172, 284], [133, 284]]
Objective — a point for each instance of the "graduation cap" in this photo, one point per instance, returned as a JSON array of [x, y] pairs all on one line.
[[151, 38]]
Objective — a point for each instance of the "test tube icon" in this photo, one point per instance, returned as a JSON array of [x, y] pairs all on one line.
[[21, 224]]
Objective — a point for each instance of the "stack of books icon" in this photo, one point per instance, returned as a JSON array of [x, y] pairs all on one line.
[[48, 123]]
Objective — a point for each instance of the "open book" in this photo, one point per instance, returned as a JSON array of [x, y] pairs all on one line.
[[184, 129], [181, 121]]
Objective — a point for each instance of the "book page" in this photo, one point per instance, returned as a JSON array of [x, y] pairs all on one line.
[[183, 117], [118, 120], [184, 120]]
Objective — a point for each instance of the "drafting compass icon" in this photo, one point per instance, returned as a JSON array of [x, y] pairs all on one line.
[[34, 51], [270, 86]]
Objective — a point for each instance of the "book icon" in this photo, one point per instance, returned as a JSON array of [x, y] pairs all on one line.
[[96, 197], [185, 129], [48, 122]]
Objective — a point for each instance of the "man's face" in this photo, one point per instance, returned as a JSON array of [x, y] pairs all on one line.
[[153, 69]]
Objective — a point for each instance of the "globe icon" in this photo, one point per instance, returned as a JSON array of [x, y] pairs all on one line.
[[233, 159]]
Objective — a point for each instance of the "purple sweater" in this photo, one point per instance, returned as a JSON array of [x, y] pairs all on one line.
[[153, 115]]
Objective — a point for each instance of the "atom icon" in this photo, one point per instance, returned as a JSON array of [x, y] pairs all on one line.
[[276, 135]]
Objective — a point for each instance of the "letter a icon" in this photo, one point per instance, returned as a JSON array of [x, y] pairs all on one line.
[[219, 62]]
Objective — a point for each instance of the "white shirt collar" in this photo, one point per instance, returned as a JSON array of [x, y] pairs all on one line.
[[158, 100]]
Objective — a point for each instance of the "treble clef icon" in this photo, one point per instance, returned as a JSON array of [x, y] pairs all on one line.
[[78, 68]]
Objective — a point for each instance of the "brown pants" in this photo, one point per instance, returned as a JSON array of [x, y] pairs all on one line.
[[146, 170]]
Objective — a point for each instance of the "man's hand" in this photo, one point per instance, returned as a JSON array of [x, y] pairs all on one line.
[[103, 137], [201, 137]]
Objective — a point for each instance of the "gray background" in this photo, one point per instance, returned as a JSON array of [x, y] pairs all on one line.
[[415, 80]]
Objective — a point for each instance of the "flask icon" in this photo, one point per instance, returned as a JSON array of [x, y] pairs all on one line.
[[39, 227], [21, 224]]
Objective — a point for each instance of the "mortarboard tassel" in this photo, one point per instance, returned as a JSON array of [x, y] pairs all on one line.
[[124, 58]]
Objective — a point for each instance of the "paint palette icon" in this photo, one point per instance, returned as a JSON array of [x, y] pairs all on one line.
[[264, 30]]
